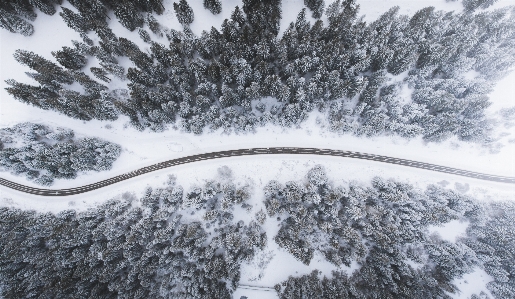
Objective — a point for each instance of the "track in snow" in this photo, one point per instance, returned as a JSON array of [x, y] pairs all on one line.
[[251, 152]]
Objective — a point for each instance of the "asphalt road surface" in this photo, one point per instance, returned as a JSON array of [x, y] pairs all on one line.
[[252, 152]]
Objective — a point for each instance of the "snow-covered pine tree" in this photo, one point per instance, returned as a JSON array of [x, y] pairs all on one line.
[[472, 5], [15, 13], [70, 58], [43, 66], [100, 73], [15, 24], [75, 21], [128, 15], [184, 12], [316, 7], [214, 6]]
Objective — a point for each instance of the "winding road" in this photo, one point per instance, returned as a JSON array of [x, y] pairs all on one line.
[[252, 152]]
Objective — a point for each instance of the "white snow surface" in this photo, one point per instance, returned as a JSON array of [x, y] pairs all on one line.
[[472, 283], [450, 230], [145, 148]]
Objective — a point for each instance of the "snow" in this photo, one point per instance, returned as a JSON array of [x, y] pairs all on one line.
[[472, 283], [503, 95], [254, 294], [146, 148], [450, 230]]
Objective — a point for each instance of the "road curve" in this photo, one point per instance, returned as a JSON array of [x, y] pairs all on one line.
[[251, 152]]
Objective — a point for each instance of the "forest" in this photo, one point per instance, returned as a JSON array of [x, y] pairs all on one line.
[[42, 154], [172, 243], [245, 74], [428, 74]]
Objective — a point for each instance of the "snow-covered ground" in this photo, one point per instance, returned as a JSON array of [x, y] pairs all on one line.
[[145, 148]]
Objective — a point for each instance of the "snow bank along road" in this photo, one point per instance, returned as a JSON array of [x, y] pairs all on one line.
[[250, 152]]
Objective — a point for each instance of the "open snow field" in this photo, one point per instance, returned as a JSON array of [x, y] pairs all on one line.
[[145, 148]]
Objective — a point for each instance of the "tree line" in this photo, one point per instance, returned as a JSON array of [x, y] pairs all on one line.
[[128, 247], [244, 75], [172, 243]]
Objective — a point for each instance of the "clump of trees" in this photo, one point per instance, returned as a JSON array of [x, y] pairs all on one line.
[[316, 7], [95, 103], [186, 244], [131, 248], [16, 15], [42, 154], [472, 5], [384, 229], [222, 79], [492, 237]]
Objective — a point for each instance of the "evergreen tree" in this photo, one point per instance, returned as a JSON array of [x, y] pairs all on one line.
[[316, 7], [472, 5], [15, 13], [50, 70], [214, 6], [116, 249], [183, 12], [75, 21], [128, 15], [263, 16], [100, 73], [15, 24], [70, 58]]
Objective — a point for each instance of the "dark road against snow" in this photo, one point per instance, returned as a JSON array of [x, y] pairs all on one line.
[[253, 152]]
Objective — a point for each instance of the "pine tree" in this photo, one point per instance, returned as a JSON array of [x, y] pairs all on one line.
[[100, 73], [70, 58], [183, 12], [472, 5], [15, 24], [75, 21], [41, 97], [316, 7], [214, 6], [128, 15], [45, 6], [43, 66], [263, 16], [13, 14]]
